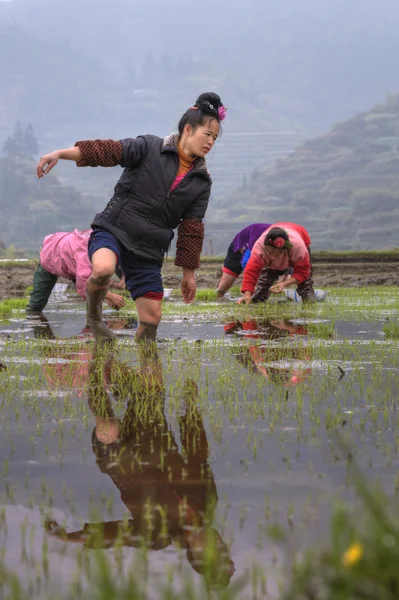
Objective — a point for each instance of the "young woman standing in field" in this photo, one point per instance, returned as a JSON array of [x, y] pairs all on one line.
[[165, 184]]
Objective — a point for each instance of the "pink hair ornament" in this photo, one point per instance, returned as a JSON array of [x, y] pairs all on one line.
[[222, 112], [278, 242]]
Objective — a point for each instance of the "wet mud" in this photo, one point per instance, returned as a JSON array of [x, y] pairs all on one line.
[[15, 280]]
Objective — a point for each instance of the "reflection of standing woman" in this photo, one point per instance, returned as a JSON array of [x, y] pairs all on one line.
[[165, 184], [170, 495]]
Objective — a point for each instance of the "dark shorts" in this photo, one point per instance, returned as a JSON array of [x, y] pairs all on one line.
[[143, 278], [232, 262]]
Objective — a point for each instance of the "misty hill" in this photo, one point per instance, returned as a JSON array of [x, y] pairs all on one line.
[[286, 70], [343, 187], [30, 209]]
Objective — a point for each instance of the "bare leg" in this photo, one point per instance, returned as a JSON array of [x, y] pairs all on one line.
[[104, 263], [225, 284], [149, 313]]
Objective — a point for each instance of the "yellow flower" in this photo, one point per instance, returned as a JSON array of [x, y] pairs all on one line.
[[353, 554]]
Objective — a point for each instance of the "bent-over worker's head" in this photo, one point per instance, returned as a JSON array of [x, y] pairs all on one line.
[[278, 238]]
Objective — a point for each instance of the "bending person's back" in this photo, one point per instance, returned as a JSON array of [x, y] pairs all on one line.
[[64, 254]]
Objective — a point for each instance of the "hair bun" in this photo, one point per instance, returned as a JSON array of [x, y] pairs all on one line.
[[209, 103]]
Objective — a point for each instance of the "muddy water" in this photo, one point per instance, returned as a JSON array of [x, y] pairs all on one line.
[[272, 396]]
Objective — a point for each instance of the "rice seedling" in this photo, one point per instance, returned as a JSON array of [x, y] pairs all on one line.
[[7, 307], [391, 330], [206, 295]]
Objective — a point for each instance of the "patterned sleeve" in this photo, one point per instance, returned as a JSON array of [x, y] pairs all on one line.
[[190, 236], [100, 153]]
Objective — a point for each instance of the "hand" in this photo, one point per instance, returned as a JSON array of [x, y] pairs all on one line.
[[119, 285], [53, 529], [188, 289], [246, 299], [48, 159], [278, 287], [115, 301]]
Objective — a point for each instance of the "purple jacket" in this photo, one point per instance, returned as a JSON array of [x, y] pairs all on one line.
[[247, 237]]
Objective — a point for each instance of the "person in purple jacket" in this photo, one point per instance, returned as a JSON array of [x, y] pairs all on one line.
[[238, 254]]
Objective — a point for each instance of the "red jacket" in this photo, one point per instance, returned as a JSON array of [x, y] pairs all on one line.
[[280, 260]]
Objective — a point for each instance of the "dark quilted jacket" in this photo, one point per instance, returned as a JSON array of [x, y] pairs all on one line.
[[143, 212]]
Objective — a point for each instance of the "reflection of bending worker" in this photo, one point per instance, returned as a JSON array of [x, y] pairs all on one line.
[[72, 369], [64, 255], [170, 496], [238, 254], [281, 246], [258, 358]]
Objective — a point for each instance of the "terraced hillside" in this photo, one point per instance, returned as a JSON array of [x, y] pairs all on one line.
[[343, 186]]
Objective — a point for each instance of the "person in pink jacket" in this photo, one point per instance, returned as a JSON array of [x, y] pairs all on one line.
[[281, 246], [64, 254]]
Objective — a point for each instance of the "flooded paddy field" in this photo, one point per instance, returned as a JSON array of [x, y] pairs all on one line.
[[129, 473]]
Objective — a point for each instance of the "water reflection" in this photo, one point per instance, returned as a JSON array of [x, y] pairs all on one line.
[[170, 495], [42, 329], [282, 365], [268, 329], [68, 367]]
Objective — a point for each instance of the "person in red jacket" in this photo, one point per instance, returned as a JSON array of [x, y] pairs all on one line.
[[281, 365], [281, 246]]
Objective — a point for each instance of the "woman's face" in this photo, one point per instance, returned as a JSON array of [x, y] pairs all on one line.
[[107, 430], [200, 141]]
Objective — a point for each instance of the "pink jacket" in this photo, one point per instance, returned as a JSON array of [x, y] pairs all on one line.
[[65, 255]]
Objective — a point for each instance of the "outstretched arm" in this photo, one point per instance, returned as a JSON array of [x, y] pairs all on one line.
[[93, 535], [54, 530], [97, 153], [48, 161]]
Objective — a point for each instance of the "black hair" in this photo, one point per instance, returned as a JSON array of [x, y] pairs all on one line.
[[217, 574], [205, 108], [274, 233]]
